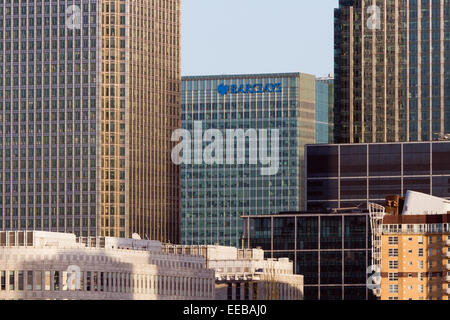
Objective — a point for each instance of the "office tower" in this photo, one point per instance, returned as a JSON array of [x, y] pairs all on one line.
[[324, 109], [411, 241], [244, 274], [352, 175], [331, 250], [214, 197], [89, 96], [392, 70]]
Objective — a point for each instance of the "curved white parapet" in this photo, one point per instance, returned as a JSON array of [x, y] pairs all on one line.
[[417, 203]]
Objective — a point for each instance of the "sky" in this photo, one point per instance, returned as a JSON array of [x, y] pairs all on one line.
[[257, 36]]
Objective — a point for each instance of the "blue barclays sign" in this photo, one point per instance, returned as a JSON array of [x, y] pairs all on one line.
[[225, 89]]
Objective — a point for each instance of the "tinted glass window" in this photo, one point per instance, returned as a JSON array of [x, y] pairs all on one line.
[[322, 161], [385, 160], [380, 188], [322, 190], [308, 266], [331, 233], [352, 189], [441, 186], [416, 159], [353, 161], [284, 234], [331, 267], [307, 233], [441, 156], [355, 267], [417, 184]]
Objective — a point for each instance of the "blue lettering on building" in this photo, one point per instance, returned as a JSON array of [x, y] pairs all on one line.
[[225, 89]]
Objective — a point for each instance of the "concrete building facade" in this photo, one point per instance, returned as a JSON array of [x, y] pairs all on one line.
[[37, 265], [244, 274], [412, 245]]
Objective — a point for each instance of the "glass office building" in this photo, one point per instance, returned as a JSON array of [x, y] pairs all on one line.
[[86, 115], [331, 251], [324, 110], [343, 176], [392, 70], [214, 197]]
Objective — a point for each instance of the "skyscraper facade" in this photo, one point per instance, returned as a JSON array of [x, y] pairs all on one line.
[[353, 175], [89, 96], [392, 70], [214, 197], [331, 250], [324, 109]]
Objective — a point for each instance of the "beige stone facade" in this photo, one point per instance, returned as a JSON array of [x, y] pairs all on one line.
[[244, 274], [42, 265]]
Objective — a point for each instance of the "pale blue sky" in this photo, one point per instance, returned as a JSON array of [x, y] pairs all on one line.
[[257, 36]]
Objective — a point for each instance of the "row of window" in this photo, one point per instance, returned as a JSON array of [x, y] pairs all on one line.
[[393, 288], [96, 281]]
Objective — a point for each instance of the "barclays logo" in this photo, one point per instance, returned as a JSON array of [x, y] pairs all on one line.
[[224, 89]]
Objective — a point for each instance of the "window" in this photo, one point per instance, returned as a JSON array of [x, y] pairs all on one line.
[[420, 264], [421, 288], [2, 280], [47, 281], [393, 252], [21, 280], [421, 252], [38, 280], [30, 280], [393, 240], [393, 288], [393, 264], [11, 280], [420, 239], [393, 276]]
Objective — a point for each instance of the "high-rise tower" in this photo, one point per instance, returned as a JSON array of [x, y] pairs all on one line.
[[392, 70], [89, 97]]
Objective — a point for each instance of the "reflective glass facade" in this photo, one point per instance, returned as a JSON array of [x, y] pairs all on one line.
[[392, 70], [214, 197], [324, 110], [332, 252], [74, 137], [342, 176]]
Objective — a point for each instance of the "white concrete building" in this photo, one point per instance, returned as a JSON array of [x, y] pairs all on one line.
[[43, 265], [244, 274]]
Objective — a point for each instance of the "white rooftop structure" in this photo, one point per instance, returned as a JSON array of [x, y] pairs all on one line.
[[417, 203]]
